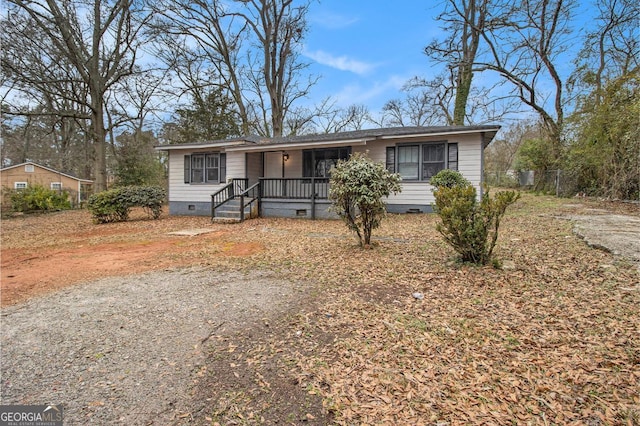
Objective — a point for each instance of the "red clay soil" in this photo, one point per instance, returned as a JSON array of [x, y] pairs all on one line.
[[66, 249]]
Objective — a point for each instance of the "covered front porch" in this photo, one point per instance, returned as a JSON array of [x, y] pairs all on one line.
[[272, 197], [290, 182]]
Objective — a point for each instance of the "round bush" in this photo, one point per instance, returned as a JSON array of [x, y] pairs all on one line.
[[448, 178]]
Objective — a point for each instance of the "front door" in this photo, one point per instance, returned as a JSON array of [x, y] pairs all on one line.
[[254, 167], [274, 172], [273, 165]]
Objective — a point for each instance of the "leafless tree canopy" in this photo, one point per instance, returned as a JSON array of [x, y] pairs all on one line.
[[248, 48], [85, 49]]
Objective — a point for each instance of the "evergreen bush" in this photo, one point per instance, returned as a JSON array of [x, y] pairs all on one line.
[[357, 188], [38, 198], [448, 178], [115, 205], [468, 226]]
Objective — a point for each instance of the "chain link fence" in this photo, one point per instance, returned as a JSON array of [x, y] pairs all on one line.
[[559, 182]]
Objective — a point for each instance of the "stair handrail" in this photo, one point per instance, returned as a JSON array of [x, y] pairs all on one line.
[[220, 197], [254, 193]]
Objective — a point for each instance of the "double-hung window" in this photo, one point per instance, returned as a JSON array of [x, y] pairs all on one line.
[[433, 159], [205, 168], [422, 161], [409, 162]]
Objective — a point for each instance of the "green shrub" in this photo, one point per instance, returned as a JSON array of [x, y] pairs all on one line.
[[108, 206], [38, 198], [468, 226], [115, 205], [150, 198], [448, 178], [357, 188]]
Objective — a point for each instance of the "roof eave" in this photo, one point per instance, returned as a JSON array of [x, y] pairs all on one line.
[[290, 145], [204, 145]]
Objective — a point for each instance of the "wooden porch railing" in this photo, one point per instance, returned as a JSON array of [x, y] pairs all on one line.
[[295, 188], [311, 189]]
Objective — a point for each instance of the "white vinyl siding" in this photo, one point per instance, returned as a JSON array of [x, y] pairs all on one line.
[[293, 166], [181, 191], [413, 192], [420, 192]]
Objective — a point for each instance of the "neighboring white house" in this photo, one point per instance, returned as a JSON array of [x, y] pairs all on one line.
[[288, 176]]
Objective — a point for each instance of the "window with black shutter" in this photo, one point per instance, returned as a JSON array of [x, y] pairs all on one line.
[[452, 161], [422, 161], [205, 168], [391, 159], [187, 169]]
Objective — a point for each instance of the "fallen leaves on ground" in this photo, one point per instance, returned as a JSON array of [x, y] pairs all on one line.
[[556, 340], [553, 339]]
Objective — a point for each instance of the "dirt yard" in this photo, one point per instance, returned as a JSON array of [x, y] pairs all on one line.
[[117, 322], [41, 254]]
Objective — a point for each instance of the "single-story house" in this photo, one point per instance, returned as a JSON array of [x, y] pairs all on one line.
[[22, 175], [289, 176]]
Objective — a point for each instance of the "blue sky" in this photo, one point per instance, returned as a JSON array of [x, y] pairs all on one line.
[[365, 51]]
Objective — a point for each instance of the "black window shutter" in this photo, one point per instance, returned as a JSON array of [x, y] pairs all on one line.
[[223, 168], [452, 163], [187, 169], [391, 159]]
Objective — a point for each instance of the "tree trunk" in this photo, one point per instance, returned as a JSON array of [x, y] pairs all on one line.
[[465, 75], [99, 142]]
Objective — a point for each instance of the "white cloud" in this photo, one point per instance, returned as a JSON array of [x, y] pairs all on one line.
[[332, 21], [376, 93], [343, 63]]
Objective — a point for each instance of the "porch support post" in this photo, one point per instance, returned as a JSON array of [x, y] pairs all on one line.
[[259, 197], [313, 198], [313, 184], [242, 207]]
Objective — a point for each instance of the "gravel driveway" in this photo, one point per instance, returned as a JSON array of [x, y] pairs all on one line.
[[126, 350]]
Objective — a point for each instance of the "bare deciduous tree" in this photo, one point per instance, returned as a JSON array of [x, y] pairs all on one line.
[[98, 39], [524, 47], [253, 47], [464, 21], [611, 49]]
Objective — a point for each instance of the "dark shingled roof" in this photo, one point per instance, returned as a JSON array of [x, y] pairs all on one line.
[[354, 134], [376, 133]]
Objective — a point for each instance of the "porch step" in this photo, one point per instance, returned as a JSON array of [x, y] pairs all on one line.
[[230, 212], [218, 219]]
